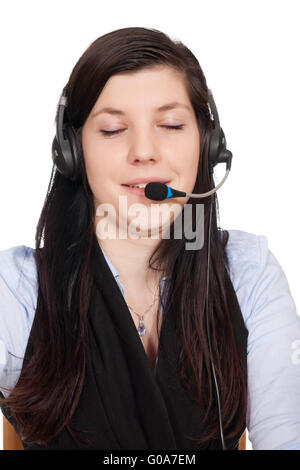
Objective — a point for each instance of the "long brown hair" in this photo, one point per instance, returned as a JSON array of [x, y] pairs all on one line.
[[47, 392]]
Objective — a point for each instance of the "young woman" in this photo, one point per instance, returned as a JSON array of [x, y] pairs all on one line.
[[116, 332]]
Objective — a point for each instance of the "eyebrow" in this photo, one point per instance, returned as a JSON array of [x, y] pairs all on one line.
[[119, 112]]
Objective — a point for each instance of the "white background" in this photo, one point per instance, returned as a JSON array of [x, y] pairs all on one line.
[[249, 52]]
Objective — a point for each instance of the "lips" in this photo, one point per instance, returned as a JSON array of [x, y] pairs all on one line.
[[137, 191], [141, 191], [149, 179]]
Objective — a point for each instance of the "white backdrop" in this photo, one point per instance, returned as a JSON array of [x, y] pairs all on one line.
[[249, 52]]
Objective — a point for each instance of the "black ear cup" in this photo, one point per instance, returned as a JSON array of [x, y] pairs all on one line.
[[72, 138], [218, 153], [217, 148], [65, 151]]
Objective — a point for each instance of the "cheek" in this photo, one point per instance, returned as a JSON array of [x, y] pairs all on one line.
[[194, 153], [98, 164], [91, 154], [188, 168], [188, 161], [100, 167], [190, 147]]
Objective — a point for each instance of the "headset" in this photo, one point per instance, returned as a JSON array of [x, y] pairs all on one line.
[[65, 156], [65, 151]]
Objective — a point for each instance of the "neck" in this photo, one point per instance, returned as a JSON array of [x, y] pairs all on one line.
[[130, 258]]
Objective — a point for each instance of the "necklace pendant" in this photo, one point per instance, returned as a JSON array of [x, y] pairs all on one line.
[[141, 328]]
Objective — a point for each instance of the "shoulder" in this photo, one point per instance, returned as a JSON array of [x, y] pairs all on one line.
[[18, 274], [245, 246], [18, 297], [255, 273], [247, 253]]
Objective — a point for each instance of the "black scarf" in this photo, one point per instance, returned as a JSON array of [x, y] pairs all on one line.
[[123, 405]]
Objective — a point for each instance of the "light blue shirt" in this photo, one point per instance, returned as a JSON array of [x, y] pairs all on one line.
[[268, 309]]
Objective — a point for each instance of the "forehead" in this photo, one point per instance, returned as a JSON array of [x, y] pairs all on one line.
[[149, 88]]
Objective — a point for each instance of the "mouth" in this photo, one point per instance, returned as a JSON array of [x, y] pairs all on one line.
[[141, 186], [139, 189]]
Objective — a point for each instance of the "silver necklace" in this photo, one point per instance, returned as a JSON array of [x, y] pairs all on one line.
[[141, 326]]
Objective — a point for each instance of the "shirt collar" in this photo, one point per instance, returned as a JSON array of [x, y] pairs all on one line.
[[112, 268]]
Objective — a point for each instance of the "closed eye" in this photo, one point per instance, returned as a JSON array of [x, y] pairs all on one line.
[[180, 126], [108, 133]]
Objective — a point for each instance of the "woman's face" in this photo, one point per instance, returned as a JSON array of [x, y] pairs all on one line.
[[143, 146]]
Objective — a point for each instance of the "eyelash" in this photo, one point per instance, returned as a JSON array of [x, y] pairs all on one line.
[[108, 133]]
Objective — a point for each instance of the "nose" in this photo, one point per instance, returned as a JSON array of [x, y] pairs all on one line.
[[143, 148]]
